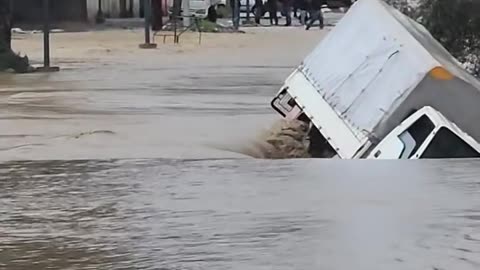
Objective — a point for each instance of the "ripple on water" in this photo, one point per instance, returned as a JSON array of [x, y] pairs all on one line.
[[237, 214]]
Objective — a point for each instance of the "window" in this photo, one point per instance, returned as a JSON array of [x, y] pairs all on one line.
[[415, 135], [405, 145], [447, 144], [409, 144], [283, 103]]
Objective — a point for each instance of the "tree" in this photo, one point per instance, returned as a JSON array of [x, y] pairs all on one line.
[[8, 59], [454, 23], [5, 26]]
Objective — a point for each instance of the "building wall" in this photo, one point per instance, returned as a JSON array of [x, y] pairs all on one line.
[[31, 11], [111, 8]]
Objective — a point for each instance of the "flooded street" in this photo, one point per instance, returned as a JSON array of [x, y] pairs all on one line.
[[113, 100], [132, 159]]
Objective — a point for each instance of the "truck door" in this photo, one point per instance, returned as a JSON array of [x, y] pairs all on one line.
[[390, 148]]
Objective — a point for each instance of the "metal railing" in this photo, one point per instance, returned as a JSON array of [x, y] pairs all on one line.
[[179, 29]]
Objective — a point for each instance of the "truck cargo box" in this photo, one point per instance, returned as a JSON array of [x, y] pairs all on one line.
[[373, 70]]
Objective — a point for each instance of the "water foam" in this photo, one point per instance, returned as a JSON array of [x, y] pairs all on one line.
[[284, 140]]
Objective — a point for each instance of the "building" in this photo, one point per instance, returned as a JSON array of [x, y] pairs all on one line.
[[114, 8], [31, 11]]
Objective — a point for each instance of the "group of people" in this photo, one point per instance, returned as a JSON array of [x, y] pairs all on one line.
[[306, 11]]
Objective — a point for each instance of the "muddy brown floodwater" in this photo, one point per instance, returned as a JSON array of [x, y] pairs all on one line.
[[131, 159], [113, 100]]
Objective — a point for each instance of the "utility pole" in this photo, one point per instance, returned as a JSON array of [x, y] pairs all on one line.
[[46, 34], [6, 11], [186, 12], [236, 14], [148, 19], [248, 11], [123, 9], [130, 9], [100, 16], [10, 19], [46, 39]]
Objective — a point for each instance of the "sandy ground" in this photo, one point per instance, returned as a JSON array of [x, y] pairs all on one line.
[[114, 100]]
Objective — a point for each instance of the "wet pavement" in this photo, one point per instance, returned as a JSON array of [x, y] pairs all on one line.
[[120, 161]]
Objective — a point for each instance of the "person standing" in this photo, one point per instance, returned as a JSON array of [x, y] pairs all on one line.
[[316, 13], [272, 6], [287, 11], [302, 5], [258, 9], [295, 8], [157, 15]]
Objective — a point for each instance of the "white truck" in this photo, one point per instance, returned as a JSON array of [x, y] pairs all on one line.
[[380, 86], [198, 8]]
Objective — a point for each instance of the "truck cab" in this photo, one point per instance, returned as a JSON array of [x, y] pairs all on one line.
[[426, 134]]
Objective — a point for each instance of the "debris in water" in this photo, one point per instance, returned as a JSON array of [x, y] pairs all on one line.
[[93, 133], [83, 134]]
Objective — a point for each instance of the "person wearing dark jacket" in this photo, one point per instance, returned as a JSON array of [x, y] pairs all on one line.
[[296, 8], [272, 6], [258, 10], [315, 13], [302, 5], [287, 11]]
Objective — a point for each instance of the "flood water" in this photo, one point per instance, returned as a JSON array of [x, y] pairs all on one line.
[[239, 214], [132, 164]]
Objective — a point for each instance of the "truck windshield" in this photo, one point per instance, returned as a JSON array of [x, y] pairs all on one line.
[[447, 144]]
